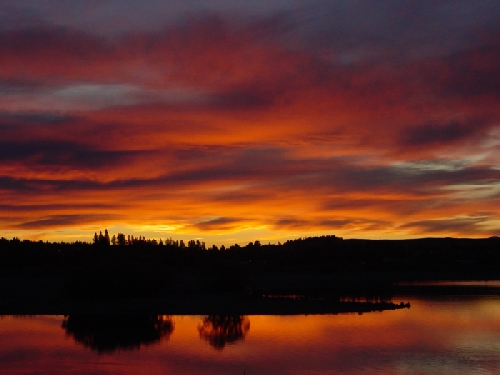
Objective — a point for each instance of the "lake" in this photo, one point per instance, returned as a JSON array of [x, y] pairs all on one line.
[[453, 334]]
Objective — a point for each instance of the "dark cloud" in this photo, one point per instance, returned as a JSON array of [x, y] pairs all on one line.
[[15, 184], [44, 186], [28, 119], [355, 176], [54, 56], [453, 225], [244, 99], [383, 205], [291, 222], [264, 168], [297, 223], [233, 164], [328, 224], [239, 197], [57, 42], [393, 30], [439, 133], [220, 223], [61, 154], [348, 27], [17, 126], [51, 207], [474, 73], [113, 18], [62, 221], [19, 85]]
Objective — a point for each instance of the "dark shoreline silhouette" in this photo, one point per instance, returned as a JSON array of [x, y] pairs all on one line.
[[331, 274]]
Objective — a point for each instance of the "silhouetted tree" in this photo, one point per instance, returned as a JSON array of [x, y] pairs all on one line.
[[107, 241], [121, 239], [102, 240]]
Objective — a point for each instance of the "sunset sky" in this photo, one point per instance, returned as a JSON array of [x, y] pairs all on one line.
[[232, 121]]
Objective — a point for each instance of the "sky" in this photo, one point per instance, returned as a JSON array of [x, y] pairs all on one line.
[[233, 121]]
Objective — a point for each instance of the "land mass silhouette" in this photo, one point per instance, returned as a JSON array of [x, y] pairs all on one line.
[[307, 275]]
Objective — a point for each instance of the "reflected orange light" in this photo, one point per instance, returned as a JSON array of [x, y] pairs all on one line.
[[297, 342]]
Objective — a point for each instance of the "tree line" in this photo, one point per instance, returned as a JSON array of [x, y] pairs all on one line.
[[121, 240], [397, 259], [104, 239]]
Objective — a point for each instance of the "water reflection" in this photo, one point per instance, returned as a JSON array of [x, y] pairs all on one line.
[[107, 333], [459, 336], [220, 330]]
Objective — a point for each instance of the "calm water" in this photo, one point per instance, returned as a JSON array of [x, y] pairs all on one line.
[[458, 335]]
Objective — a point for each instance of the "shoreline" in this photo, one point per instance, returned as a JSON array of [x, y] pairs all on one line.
[[47, 296], [210, 304]]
